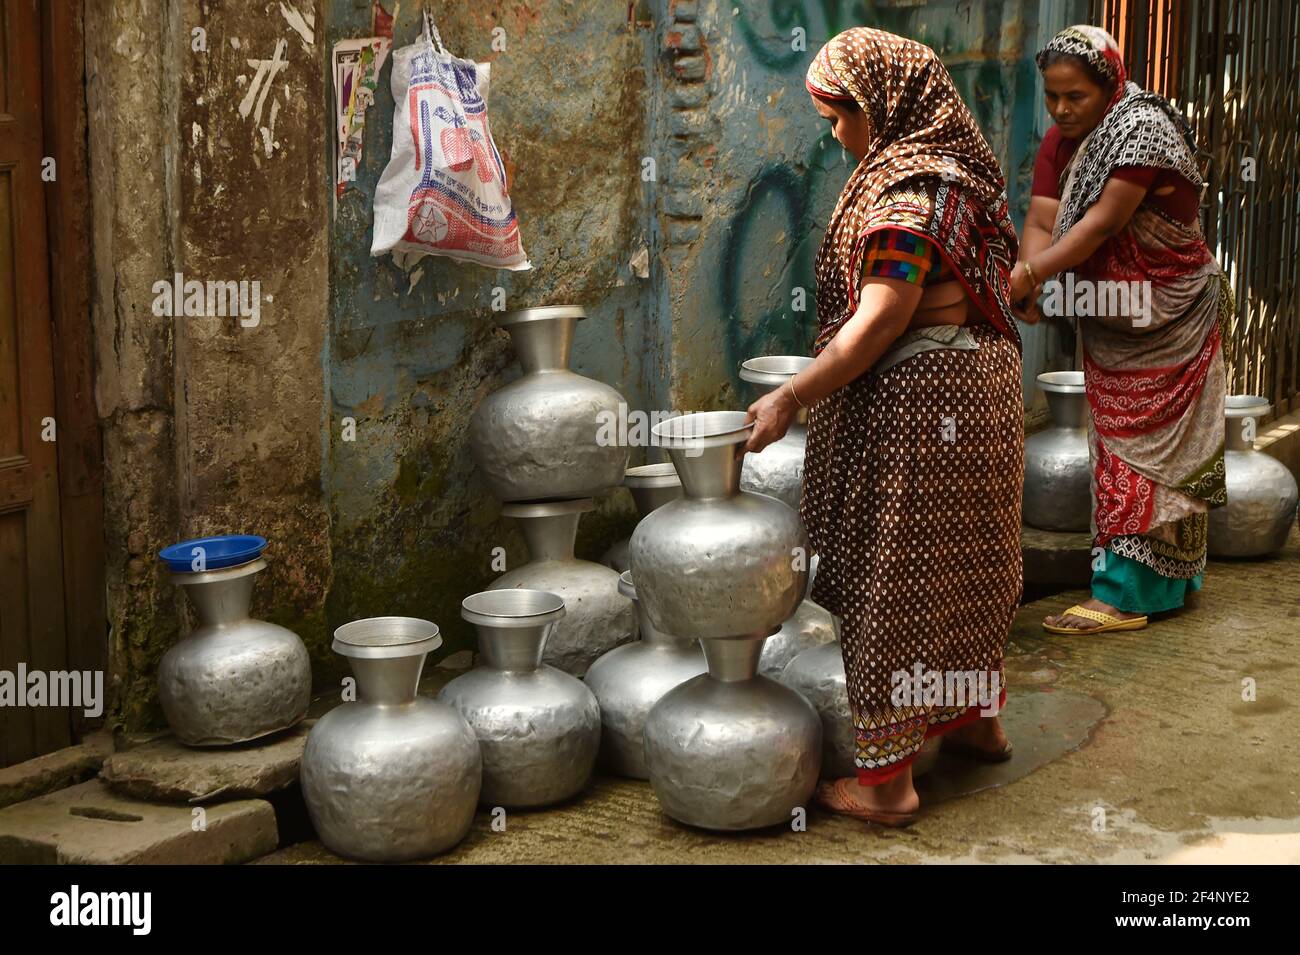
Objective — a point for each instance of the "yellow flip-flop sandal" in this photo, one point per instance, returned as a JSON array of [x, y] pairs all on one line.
[[1108, 623]]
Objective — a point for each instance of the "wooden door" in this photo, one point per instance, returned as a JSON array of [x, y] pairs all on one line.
[[32, 627]]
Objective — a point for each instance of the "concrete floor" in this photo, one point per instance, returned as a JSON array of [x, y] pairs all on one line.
[[1132, 747]]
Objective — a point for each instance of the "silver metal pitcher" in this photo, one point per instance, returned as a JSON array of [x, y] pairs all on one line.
[[777, 469], [1262, 494], [546, 434], [233, 678], [538, 727], [1058, 493], [392, 776], [730, 749], [719, 562], [630, 679], [652, 486], [598, 618]]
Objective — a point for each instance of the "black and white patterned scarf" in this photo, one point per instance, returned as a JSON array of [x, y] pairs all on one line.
[[1140, 128]]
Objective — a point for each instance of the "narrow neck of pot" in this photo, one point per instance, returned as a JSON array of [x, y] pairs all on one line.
[[512, 648], [220, 603], [388, 682], [735, 659], [652, 635], [1235, 433], [551, 537], [543, 344], [708, 472], [1068, 410], [648, 499], [800, 419]]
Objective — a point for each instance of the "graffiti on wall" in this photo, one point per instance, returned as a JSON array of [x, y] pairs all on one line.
[[789, 196]]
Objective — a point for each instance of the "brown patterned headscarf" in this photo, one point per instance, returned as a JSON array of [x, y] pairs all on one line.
[[920, 130]]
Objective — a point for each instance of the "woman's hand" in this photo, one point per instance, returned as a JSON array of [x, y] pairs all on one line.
[[1027, 311], [773, 413], [1022, 286]]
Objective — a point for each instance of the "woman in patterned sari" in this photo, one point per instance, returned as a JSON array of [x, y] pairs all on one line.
[[1115, 200], [914, 466]]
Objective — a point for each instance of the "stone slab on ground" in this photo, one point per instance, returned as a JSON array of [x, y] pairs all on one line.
[[91, 824], [1056, 559], [168, 771], [1133, 747], [54, 771]]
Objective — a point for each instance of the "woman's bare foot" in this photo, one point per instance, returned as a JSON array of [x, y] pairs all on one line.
[[1083, 624], [984, 735], [896, 796]]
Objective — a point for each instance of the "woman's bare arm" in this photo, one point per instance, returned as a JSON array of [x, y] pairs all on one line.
[[1111, 213], [884, 309], [1039, 221]]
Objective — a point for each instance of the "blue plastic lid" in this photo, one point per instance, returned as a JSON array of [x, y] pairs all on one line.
[[224, 550]]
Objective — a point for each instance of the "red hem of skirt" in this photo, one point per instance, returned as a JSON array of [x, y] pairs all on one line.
[[876, 777]]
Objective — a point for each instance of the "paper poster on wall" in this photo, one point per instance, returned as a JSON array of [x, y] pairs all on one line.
[[356, 66]]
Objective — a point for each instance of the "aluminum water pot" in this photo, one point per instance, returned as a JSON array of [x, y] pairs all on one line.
[[630, 679], [811, 626], [597, 617], [538, 727], [1058, 495], [1261, 506], [730, 749], [778, 468], [392, 776], [551, 433], [233, 678], [719, 562], [652, 486], [818, 675]]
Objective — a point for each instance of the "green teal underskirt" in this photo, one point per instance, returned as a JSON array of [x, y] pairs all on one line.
[[1132, 587]]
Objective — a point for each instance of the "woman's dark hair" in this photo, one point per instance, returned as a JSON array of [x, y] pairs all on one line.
[[1052, 57], [849, 105]]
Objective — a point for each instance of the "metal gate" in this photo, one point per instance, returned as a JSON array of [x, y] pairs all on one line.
[[1232, 67]]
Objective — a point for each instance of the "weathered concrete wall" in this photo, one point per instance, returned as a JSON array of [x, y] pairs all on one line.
[[132, 207], [411, 354], [212, 424]]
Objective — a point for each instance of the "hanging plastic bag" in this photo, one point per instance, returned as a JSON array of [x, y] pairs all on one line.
[[443, 191]]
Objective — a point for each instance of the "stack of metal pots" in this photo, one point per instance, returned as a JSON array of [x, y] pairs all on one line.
[[1262, 493], [599, 617], [652, 486], [630, 680], [540, 442], [392, 776], [538, 728], [729, 749], [233, 678], [1058, 489], [778, 471]]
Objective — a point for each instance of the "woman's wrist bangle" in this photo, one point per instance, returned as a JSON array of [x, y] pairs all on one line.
[[1029, 270], [794, 394]]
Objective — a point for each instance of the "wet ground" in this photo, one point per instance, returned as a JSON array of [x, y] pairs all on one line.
[[1130, 747]]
